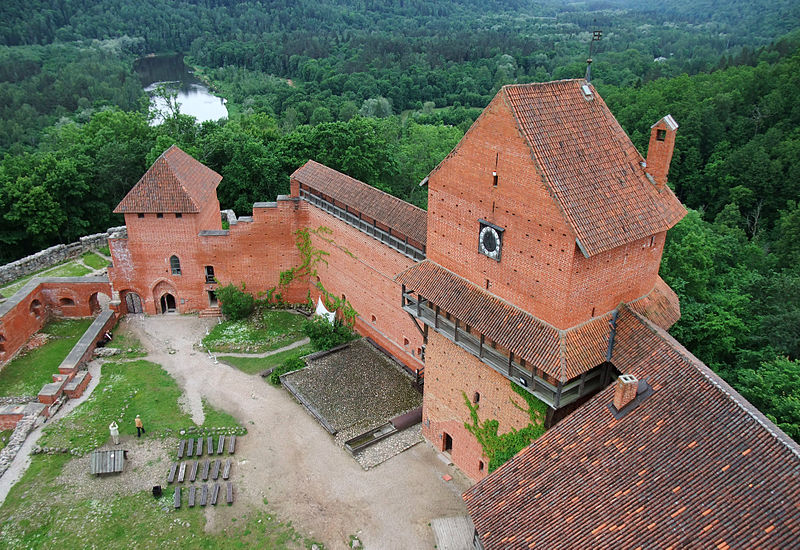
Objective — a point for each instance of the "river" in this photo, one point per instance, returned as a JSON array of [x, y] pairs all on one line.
[[194, 97]]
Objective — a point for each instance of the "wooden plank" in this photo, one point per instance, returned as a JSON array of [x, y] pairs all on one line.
[[177, 497], [181, 448], [199, 447], [220, 444], [204, 495], [210, 445], [206, 464], [229, 496], [231, 444], [227, 471], [192, 491], [172, 470], [193, 470], [215, 469], [182, 472], [215, 494], [190, 447]]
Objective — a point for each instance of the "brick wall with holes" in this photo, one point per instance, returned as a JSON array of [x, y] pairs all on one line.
[[356, 266], [450, 374], [21, 320], [363, 269], [541, 269]]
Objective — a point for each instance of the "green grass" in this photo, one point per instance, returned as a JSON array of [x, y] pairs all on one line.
[[40, 509], [263, 332], [254, 365], [4, 437], [26, 374], [94, 261], [105, 251], [129, 345], [70, 269]]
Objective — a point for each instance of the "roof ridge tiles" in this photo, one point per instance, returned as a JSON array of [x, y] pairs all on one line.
[[715, 380]]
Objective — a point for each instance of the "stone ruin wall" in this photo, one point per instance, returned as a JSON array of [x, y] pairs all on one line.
[[53, 255]]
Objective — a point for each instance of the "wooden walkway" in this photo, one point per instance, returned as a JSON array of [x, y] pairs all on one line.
[[107, 462]]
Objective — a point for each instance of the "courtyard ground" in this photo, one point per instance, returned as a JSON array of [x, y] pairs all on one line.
[[294, 463]]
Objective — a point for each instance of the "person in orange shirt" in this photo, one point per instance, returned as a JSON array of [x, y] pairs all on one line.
[[139, 426]]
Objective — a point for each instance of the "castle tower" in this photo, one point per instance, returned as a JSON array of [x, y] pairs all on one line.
[[541, 222], [158, 268]]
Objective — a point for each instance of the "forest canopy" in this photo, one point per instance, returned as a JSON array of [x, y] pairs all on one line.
[[382, 90]]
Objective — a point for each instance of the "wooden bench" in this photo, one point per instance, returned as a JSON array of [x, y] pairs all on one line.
[[192, 491], [193, 471], [182, 472], [231, 444], [210, 445], [181, 448], [226, 472], [172, 470], [229, 496], [215, 494], [177, 497], [220, 444], [206, 464], [190, 447], [199, 447], [215, 469], [204, 495]]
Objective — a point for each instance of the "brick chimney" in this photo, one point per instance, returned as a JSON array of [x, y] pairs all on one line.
[[625, 392], [659, 152]]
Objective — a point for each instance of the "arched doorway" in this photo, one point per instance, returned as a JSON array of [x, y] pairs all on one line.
[[98, 302], [165, 297], [167, 303], [133, 303], [36, 308]]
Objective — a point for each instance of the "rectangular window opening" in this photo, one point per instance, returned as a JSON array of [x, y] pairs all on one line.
[[159, 215], [178, 215], [140, 215], [661, 135]]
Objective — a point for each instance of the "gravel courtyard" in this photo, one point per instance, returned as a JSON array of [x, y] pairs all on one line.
[[300, 470]]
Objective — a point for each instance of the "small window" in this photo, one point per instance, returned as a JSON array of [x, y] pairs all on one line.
[[494, 178], [159, 215], [175, 265], [661, 135], [178, 215], [140, 215], [374, 319], [476, 398], [210, 274], [481, 465], [406, 342]]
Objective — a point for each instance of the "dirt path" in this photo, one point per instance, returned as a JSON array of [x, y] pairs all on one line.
[[288, 459], [293, 345]]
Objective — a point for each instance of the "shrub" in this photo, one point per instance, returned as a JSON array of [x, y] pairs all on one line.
[[235, 303], [324, 335], [295, 363]]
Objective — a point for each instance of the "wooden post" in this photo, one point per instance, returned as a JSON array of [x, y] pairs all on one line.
[[480, 348], [436, 317], [419, 305], [455, 330]]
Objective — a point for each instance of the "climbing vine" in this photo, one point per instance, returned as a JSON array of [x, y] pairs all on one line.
[[310, 259], [499, 448]]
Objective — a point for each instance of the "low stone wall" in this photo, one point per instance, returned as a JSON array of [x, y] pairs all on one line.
[[17, 399], [10, 451], [53, 255]]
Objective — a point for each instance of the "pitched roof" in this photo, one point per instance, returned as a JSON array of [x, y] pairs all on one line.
[[660, 305], [175, 182], [693, 465], [402, 217], [590, 165], [563, 354]]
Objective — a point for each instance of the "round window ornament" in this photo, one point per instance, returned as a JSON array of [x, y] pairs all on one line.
[[490, 242]]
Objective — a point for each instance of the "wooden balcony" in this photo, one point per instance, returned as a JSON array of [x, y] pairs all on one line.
[[553, 393]]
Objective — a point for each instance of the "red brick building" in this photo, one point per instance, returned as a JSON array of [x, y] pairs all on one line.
[[528, 291]]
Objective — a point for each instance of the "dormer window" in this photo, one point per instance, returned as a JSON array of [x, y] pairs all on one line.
[[175, 265]]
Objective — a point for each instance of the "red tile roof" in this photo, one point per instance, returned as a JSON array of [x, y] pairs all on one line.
[[590, 165], [175, 182], [693, 465], [563, 354], [660, 305], [402, 217]]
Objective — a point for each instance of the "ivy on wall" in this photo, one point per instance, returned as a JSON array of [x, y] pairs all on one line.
[[310, 259], [499, 448]]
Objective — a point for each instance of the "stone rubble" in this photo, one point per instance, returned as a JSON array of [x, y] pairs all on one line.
[[10, 451]]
